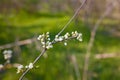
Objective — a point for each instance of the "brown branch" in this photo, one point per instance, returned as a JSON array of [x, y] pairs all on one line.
[[91, 41], [18, 43], [8, 66], [106, 55], [76, 68], [36, 59], [75, 14]]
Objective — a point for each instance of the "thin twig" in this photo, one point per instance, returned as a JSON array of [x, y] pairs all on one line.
[[107, 55], [21, 77], [18, 43], [75, 14], [91, 41], [76, 68]]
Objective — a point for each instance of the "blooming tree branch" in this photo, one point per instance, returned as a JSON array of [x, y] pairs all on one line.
[[47, 43]]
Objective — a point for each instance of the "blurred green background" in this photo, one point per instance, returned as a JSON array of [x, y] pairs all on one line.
[[25, 19]]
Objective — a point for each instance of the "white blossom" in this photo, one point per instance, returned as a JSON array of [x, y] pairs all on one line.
[[39, 37], [66, 35], [49, 39], [7, 54], [65, 44], [56, 36], [60, 38], [79, 37], [49, 45], [56, 39], [43, 43], [20, 68], [30, 66], [74, 34], [26, 66], [47, 33], [45, 39], [1, 66]]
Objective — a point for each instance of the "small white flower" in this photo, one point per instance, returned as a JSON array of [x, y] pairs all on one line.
[[42, 40], [49, 45], [43, 46], [49, 39], [79, 37], [65, 44], [47, 33], [26, 66], [1, 66], [7, 54], [66, 35], [39, 37], [30, 66], [60, 38], [43, 43], [19, 68], [56, 39], [80, 34], [76, 32], [73, 34], [56, 36]]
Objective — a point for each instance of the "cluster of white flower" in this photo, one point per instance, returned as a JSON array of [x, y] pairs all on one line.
[[45, 40], [61, 38], [7, 54], [20, 68], [47, 44], [77, 35]]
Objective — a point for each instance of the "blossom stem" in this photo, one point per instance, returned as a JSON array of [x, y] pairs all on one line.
[[43, 51], [75, 14], [21, 77]]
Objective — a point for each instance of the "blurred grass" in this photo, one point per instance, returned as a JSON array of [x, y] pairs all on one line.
[[57, 66]]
